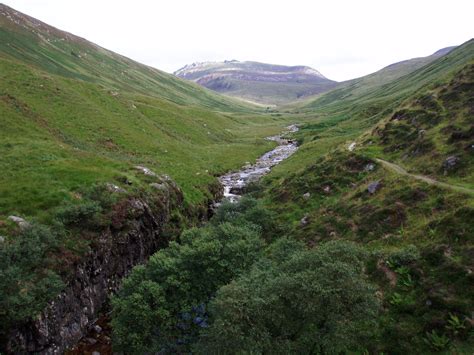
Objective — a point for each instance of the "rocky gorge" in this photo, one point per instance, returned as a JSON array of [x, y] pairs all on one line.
[[111, 256]]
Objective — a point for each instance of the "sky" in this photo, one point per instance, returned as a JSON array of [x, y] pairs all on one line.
[[341, 39]]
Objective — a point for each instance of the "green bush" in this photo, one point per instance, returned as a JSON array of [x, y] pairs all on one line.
[[89, 211], [247, 212], [404, 256], [26, 283], [84, 214], [162, 306], [295, 301]]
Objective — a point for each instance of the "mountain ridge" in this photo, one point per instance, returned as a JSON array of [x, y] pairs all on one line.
[[256, 81]]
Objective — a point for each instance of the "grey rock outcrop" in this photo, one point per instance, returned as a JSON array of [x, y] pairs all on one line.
[[450, 163], [22, 223], [110, 258], [374, 187]]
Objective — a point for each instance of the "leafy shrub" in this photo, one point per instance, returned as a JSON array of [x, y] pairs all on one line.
[[435, 341], [84, 214], [404, 256], [247, 212], [455, 325], [26, 285], [163, 296], [301, 301]]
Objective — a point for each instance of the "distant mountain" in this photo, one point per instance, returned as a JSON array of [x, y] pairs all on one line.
[[259, 82]]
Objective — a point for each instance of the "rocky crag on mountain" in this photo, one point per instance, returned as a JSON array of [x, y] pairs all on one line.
[[259, 82]]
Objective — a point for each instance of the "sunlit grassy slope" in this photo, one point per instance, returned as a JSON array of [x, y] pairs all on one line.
[[74, 114]]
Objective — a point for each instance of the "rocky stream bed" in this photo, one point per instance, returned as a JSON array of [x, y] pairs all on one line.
[[235, 182]]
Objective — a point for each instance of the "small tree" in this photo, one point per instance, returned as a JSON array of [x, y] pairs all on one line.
[[26, 282]]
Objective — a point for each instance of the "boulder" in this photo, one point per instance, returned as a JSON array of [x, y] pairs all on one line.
[[306, 196], [90, 341], [304, 221], [374, 187], [97, 328], [369, 167], [162, 187], [20, 221], [114, 188], [146, 171], [450, 163]]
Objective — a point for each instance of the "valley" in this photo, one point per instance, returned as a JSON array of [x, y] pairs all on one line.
[[350, 228]]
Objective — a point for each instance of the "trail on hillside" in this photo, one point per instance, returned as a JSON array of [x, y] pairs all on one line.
[[399, 170]]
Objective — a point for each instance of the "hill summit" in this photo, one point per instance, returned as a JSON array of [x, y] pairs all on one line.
[[259, 82]]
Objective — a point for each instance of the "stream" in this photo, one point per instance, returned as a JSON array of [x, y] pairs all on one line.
[[234, 182]]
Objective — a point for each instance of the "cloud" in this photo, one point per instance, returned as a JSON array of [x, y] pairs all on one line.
[[342, 39]]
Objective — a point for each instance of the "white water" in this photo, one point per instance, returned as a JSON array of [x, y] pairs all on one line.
[[234, 182]]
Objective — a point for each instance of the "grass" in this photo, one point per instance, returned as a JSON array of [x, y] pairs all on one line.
[[73, 115], [59, 133], [321, 193]]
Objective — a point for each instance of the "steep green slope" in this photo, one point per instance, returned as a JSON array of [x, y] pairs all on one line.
[[31, 41], [433, 132], [368, 171], [358, 87], [59, 133], [343, 115]]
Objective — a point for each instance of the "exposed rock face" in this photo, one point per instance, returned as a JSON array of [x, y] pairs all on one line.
[[111, 257]]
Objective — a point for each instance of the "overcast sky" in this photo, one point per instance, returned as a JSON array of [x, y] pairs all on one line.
[[342, 39]]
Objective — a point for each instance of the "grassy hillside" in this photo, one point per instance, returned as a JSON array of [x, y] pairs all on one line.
[[31, 41], [404, 190], [74, 114], [343, 114], [369, 83], [270, 93], [59, 133]]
